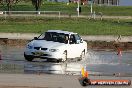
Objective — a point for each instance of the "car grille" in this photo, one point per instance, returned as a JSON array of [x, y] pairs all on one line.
[[41, 54], [39, 48]]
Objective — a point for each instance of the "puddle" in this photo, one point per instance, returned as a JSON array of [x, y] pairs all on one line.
[[61, 68], [97, 62], [108, 62]]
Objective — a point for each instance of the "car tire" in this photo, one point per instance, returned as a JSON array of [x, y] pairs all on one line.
[[28, 57], [82, 57], [64, 56]]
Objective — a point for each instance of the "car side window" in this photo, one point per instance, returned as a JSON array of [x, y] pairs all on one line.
[[72, 39], [75, 39], [78, 38], [48, 36]]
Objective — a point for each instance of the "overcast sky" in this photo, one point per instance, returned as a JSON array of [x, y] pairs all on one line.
[[126, 2]]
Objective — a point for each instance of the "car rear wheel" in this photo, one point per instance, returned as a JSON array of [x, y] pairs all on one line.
[[28, 57], [64, 56]]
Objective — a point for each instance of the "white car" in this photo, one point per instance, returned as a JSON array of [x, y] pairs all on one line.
[[56, 45]]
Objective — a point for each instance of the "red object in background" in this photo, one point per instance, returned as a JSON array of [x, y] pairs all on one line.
[[119, 51]]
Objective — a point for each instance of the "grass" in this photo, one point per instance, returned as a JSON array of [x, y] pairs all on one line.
[[71, 8], [81, 26]]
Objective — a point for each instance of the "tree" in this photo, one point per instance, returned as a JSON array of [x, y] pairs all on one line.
[[37, 4], [8, 3]]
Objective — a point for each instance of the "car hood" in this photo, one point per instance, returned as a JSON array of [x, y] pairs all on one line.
[[45, 44]]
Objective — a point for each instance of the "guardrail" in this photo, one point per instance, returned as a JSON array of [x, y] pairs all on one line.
[[30, 13], [58, 14], [50, 14]]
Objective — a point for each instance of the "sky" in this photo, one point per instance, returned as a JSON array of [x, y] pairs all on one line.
[[126, 2]]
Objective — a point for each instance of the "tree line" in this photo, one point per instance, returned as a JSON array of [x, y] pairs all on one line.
[[10, 3]]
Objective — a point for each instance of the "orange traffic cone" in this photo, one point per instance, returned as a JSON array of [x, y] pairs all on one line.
[[119, 52], [86, 74]]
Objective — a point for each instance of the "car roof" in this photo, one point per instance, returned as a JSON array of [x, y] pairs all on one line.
[[60, 31]]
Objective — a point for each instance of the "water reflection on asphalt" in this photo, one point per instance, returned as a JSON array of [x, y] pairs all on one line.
[[97, 62]]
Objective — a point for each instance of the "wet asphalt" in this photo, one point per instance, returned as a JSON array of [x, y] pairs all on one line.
[[96, 62]]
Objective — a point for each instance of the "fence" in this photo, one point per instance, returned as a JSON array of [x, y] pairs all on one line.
[[57, 14], [7, 14], [53, 14]]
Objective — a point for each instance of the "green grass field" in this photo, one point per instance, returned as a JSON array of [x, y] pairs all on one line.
[[81, 26], [71, 8]]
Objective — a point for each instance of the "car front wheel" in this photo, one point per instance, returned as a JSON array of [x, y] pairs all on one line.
[[28, 57]]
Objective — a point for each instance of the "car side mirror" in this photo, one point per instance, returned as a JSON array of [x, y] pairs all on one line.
[[35, 38]]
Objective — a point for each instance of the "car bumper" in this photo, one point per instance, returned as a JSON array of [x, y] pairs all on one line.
[[43, 54]]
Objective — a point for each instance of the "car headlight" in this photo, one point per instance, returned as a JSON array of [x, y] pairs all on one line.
[[29, 47], [54, 50]]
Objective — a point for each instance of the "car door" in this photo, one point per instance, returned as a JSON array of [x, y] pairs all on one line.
[[74, 48]]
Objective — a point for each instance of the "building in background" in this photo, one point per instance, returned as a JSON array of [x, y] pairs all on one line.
[[100, 2], [113, 2], [106, 2], [125, 3]]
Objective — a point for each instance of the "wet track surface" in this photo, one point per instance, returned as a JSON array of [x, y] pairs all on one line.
[[96, 62]]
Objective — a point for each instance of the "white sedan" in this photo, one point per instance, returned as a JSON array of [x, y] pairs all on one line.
[[56, 45]]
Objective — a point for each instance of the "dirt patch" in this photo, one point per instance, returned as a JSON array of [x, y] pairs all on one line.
[[91, 44], [13, 42], [109, 45]]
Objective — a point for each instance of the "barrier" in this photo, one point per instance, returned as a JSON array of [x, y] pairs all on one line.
[[6, 14]]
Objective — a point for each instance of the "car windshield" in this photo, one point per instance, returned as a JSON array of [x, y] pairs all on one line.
[[56, 37]]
